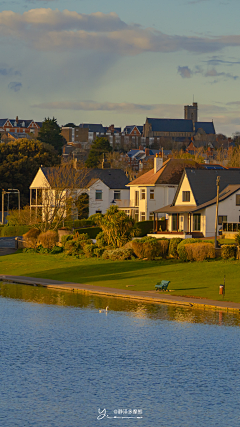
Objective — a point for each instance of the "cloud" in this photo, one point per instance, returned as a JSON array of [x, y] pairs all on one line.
[[213, 73], [15, 86], [185, 72], [6, 71], [216, 61], [96, 106], [49, 30]]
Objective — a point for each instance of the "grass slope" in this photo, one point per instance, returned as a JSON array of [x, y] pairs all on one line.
[[192, 279]]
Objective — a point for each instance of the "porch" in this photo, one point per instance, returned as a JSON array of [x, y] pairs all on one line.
[[180, 223]]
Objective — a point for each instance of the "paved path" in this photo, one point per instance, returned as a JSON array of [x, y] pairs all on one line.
[[148, 296]]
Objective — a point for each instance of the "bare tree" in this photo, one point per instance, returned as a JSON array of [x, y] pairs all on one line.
[[58, 197]]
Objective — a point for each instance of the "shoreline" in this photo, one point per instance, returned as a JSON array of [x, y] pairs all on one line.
[[153, 297]]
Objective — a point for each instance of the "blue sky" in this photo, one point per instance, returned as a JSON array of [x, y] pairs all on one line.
[[120, 61]]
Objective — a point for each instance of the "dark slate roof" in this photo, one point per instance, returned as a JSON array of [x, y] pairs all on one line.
[[113, 178], [203, 183], [92, 127], [2, 122], [208, 127], [133, 152], [129, 129], [227, 192], [171, 125]]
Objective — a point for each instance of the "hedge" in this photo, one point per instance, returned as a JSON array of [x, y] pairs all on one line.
[[150, 247], [200, 251], [14, 230], [91, 231], [228, 251], [145, 227], [181, 247]]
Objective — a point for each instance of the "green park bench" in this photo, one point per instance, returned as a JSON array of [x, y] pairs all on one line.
[[162, 286]]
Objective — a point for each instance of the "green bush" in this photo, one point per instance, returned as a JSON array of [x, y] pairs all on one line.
[[228, 251], [14, 230], [66, 238], [98, 252], [199, 251], [181, 248], [91, 231], [117, 254], [100, 240], [88, 250], [30, 238], [144, 227], [173, 244], [75, 245], [56, 250], [78, 223], [48, 239], [150, 247]]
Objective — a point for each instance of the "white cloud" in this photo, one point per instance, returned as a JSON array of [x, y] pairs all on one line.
[[46, 29]]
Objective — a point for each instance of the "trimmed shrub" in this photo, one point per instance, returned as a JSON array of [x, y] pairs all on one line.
[[117, 254], [72, 247], [14, 230], [48, 239], [173, 244], [228, 251], [150, 247], [144, 228], [199, 251], [181, 248], [91, 231], [31, 237]]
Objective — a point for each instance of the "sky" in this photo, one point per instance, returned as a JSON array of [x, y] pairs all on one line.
[[118, 62]]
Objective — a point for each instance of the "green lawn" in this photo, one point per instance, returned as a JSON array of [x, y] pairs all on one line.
[[192, 279]]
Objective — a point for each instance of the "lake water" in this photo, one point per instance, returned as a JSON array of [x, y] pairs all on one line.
[[61, 360]]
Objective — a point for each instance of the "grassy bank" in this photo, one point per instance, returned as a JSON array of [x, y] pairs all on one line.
[[192, 279]]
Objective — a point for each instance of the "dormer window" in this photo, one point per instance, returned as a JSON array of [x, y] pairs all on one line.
[[23, 124], [15, 123]]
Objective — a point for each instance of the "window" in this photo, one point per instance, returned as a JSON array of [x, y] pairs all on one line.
[[117, 195], [151, 216], [221, 219], [196, 222], [98, 211], [186, 196], [151, 194], [98, 195], [142, 216], [136, 198], [143, 194], [136, 213], [237, 199]]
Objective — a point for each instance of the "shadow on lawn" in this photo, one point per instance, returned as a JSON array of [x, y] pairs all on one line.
[[106, 272], [188, 289]]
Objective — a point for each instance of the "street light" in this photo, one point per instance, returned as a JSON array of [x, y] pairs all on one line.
[[16, 191]]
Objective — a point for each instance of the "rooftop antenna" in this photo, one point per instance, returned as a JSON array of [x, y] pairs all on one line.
[[193, 98]]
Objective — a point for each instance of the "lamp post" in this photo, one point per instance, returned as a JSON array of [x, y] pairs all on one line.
[[3, 193], [216, 218], [16, 191]]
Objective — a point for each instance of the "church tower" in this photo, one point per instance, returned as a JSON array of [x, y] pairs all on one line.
[[191, 112]]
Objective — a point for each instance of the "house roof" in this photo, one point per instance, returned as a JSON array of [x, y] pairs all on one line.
[[203, 182], [171, 125], [170, 173], [93, 127], [208, 127], [129, 129], [227, 192], [113, 178]]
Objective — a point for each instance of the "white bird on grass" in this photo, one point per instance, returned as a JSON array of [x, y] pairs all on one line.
[[104, 310]]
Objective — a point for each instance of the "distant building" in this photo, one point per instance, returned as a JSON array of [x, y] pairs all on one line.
[[17, 126]]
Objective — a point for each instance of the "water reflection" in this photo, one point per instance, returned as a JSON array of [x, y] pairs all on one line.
[[136, 309]]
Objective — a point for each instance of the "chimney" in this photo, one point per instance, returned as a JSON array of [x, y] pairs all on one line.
[[158, 162], [17, 119], [147, 151]]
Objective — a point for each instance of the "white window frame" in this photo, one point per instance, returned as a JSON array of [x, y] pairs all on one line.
[[98, 192]]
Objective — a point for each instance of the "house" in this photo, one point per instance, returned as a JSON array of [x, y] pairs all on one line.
[[102, 186], [133, 130], [193, 208], [156, 187], [20, 126]]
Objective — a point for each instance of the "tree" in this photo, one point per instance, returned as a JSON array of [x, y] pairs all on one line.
[[99, 146], [59, 198], [117, 227], [50, 133], [19, 163]]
